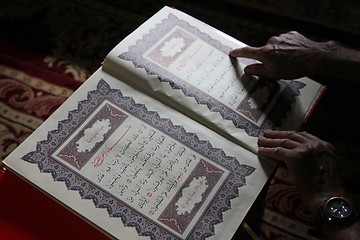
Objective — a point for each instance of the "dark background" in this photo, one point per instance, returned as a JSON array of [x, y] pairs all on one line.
[[84, 31]]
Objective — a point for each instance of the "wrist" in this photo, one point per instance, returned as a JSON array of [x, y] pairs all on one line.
[[326, 57], [337, 216], [336, 60], [316, 202], [337, 211], [324, 185]]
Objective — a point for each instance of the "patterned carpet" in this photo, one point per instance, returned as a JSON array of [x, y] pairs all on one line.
[[50, 47]]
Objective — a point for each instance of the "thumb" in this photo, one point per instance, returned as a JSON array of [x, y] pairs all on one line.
[[256, 69]]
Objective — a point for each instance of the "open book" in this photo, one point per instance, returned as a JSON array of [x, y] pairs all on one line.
[[160, 142]]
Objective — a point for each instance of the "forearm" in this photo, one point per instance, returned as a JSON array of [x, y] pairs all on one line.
[[339, 61]]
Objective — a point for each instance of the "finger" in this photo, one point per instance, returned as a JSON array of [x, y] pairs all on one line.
[[277, 134], [273, 143], [246, 52], [285, 139], [292, 135], [278, 153], [296, 137], [309, 136]]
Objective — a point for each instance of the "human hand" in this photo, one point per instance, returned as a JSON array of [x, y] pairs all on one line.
[[311, 163], [288, 56]]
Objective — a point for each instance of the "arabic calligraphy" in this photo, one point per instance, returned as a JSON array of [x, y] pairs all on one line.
[[142, 166], [201, 65]]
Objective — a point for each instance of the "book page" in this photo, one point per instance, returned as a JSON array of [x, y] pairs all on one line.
[[136, 169], [185, 63]]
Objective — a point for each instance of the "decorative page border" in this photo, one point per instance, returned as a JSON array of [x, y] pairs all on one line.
[[78, 159], [129, 216], [275, 116]]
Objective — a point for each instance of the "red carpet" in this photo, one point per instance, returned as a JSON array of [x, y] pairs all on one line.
[[32, 86]]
